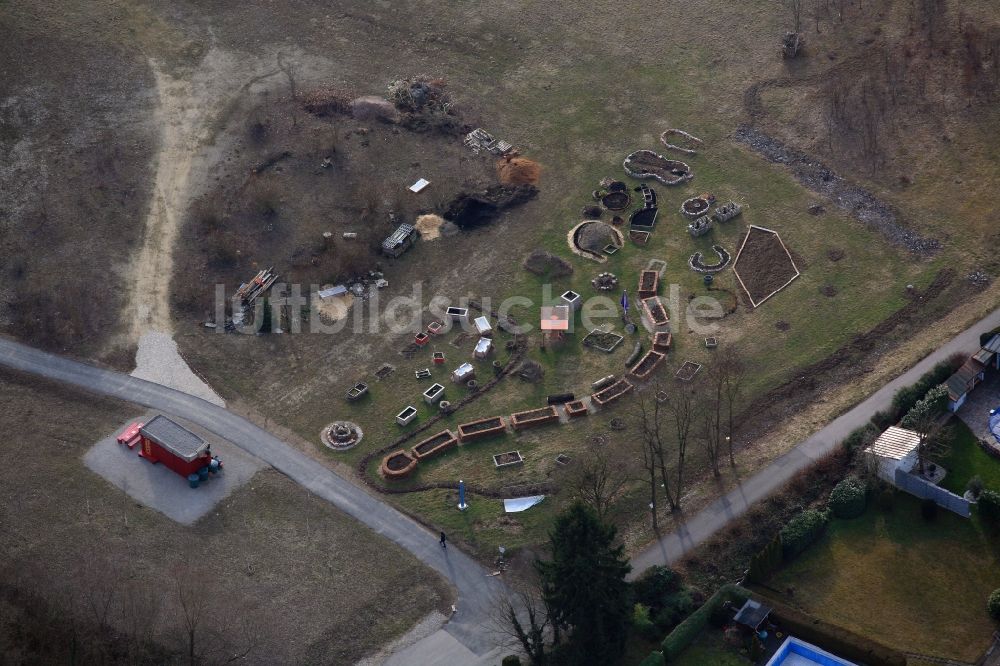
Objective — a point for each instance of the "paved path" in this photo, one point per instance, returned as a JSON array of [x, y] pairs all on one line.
[[716, 515], [467, 631]]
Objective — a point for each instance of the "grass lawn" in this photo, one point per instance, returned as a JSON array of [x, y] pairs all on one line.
[[910, 584], [710, 649], [966, 460]]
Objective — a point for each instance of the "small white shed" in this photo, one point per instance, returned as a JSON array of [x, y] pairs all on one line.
[[896, 448]]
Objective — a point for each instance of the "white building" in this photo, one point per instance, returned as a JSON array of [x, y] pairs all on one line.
[[896, 448]]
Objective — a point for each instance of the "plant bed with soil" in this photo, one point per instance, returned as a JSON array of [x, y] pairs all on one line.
[[507, 459], [647, 364], [662, 340], [576, 409], [398, 465], [687, 371], [764, 266], [487, 427], [603, 340], [655, 312], [435, 444], [534, 417], [613, 392], [647, 164], [649, 283]]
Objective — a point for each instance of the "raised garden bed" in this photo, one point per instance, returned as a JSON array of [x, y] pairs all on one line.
[[613, 392], [433, 394], [662, 340], [649, 284], [398, 464], [507, 459], [562, 459], [643, 219], [655, 311], [711, 343], [695, 207], [603, 340], [697, 262], [647, 164], [357, 391], [435, 327], [727, 212], [487, 427], [639, 237], [763, 265], [610, 249], [616, 200], [458, 314], [576, 409], [534, 417], [407, 415], [435, 444], [644, 368], [687, 371]]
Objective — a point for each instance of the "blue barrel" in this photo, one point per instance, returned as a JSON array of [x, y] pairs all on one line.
[[194, 480], [203, 473]]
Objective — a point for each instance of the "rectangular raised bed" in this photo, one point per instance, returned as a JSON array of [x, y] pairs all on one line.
[[507, 459], [458, 314], [572, 299], [644, 368], [357, 391], [435, 444], [433, 394], [662, 340], [655, 311], [603, 340], [407, 415], [534, 417], [613, 392], [649, 283], [488, 427], [576, 409]]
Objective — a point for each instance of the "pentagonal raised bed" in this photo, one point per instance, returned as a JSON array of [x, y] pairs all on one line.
[[644, 368], [534, 417], [662, 340], [493, 425], [655, 311], [435, 444], [507, 459], [398, 464], [649, 283], [576, 409], [613, 392]]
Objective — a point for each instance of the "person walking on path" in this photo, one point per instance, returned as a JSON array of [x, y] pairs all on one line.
[[444, 540]]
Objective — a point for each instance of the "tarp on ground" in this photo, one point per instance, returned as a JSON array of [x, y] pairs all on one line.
[[521, 503], [995, 423]]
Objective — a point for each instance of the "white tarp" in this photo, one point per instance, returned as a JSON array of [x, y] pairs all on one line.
[[419, 185], [521, 503]]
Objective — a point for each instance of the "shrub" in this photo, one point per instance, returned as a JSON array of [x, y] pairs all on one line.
[[975, 486], [993, 604], [933, 404], [848, 498], [801, 531], [512, 660], [661, 592], [928, 509], [989, 335], [989, 507], [907, 397], [643, 625], [766, 562], [861, 437], [882, 420]]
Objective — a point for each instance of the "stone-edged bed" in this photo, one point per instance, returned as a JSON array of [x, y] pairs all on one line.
[[643, 164], [587, 254], [690, 138], [697, 264], [695, 207]]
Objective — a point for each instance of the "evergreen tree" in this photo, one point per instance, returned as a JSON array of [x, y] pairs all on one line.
[[584, 587]]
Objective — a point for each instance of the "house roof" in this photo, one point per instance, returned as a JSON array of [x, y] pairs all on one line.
[[895, 443], [960, 382], [174, 438], [984, 356], [993, 345]]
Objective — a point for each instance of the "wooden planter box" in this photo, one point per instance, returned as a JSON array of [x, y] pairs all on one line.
[[662, 340], [435, 444], [534, 417], [398, 465], [508, 459], [487, 427], [613, 392], [655, 311], [576, 408], [649, 284], [644, 368]]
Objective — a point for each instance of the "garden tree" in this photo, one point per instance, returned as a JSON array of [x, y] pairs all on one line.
[[597, 481], [665, 422], [922, 418], [731, 371], [584, 589], [520, 613], [200, 620], [795, 9]]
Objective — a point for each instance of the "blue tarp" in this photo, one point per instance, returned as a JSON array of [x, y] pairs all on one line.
[[995, 423]]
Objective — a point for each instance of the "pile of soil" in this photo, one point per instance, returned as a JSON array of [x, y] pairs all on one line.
[[595, 236], [764, 265], [542, 262], [473, 210], [518, 171]]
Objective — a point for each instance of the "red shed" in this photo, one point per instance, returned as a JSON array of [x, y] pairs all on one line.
[[173, 445]]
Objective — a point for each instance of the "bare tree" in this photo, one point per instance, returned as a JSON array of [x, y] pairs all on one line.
[[598, 481], [651, 428], [519, 614], [733, 372], [795, 8]]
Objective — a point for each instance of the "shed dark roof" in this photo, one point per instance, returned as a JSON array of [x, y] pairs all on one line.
[[752, 614], [174, 438], [960, 383]]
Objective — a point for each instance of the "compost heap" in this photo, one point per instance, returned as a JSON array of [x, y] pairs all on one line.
[[518, 171]]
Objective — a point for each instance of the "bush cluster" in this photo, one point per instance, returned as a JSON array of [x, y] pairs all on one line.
[[989, 507], [802, 530], [848, 498], [993, 604]]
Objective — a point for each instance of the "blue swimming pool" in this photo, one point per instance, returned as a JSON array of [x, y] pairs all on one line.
[[795, 652]]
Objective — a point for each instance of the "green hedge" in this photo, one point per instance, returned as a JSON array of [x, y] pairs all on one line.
[[848, 498], [802, 531], [908, 396], [989, 507], [830, 637], [684, 634]]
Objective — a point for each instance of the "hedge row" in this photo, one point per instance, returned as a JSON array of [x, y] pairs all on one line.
[[684, 634], [830, 637], [802, 531], [908, 396], [848, 498]]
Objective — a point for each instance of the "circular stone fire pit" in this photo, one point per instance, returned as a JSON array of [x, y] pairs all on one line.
[[605, 282], [695, 207], [341, 435]]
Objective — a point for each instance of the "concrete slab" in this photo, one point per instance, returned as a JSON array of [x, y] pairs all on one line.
[[160, 488], [443, 649]]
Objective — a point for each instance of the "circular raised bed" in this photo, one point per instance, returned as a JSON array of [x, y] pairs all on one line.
[[616, 200], [398, 464], [695, 207], [341, 435], [444, 406], [472, 385]]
